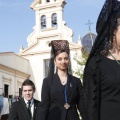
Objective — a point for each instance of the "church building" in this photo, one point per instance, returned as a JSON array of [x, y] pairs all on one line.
[[32, 62]]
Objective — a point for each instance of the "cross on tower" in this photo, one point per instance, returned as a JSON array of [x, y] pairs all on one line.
[[89, 23]]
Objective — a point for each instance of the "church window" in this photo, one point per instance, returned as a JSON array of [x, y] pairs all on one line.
[[54, 20], [20, 92], [46, 66], [6, 88], [43, 22]]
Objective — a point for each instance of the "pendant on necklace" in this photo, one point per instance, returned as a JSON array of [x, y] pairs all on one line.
[[66, 106]]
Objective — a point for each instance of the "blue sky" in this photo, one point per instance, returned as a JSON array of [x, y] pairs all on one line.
[[17, 20]]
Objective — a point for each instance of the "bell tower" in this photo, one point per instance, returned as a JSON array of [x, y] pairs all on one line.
[[49, 21], [49, 25]]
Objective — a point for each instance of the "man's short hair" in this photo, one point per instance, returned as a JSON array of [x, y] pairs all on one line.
[[28, 82]]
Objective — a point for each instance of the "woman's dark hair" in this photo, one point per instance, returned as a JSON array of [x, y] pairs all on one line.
[[108, 43], [105, 27]]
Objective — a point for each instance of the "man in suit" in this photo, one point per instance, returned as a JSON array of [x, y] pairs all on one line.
[[25, 109]]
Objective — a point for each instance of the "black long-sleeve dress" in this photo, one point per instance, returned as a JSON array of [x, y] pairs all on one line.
[[102, 89]]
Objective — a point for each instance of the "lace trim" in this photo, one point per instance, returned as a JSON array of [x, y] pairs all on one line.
[[90, 90]]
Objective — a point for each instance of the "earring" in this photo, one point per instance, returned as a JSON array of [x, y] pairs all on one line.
[[54, 68], [113, 44]]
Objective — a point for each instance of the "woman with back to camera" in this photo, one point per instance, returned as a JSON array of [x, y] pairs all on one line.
[[61, 92], [101, 83]]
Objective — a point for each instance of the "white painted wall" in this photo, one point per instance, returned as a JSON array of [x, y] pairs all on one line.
[[14, 61]]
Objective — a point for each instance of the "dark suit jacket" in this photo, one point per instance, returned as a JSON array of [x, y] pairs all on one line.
[[19, 111], [53, 99]]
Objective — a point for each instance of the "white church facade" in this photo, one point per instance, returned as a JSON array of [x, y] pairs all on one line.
[[32, 62]]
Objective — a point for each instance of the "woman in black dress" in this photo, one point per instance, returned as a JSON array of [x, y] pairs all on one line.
[[101, 83], [61, 92]]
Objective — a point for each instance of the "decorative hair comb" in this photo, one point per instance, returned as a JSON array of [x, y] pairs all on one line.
[[60, 45]]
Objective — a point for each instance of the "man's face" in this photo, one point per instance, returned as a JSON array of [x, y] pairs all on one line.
[[28, 92]]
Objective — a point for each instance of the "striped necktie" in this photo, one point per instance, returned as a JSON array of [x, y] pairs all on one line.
[[29, 108]]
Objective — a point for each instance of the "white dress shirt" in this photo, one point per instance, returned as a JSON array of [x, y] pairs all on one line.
[[31, 104]]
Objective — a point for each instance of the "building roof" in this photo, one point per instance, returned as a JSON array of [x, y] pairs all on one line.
[[14, 61], [88, 40]]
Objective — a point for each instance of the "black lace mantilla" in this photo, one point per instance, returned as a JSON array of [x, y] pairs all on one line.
[[91, 89], [105, 22], [105, 26]]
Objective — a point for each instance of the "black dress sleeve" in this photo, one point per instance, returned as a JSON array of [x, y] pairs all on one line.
[[45, 101], [91, 90]]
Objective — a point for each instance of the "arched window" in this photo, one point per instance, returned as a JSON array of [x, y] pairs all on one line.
[[54, 20], [43, 22]]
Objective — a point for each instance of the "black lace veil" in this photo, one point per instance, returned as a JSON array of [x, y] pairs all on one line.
[[105, 26]]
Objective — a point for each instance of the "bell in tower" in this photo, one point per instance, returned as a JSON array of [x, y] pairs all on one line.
[[54, 20], [43, 22]]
